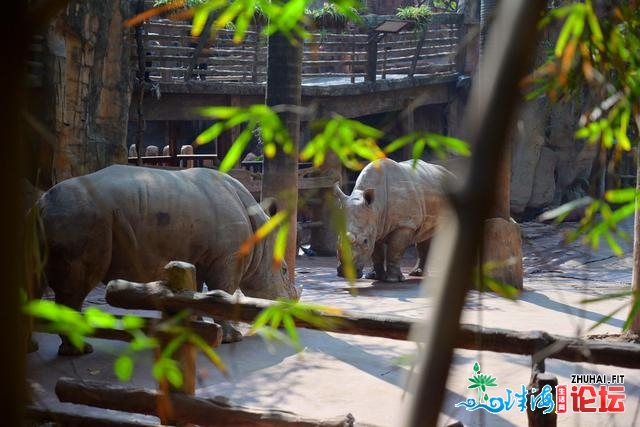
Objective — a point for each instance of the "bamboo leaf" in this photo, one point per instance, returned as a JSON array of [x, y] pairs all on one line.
[[235, 152], [622, 195], [280, 244], [123, 367], [100, 319], [130, 322], [211, 354]]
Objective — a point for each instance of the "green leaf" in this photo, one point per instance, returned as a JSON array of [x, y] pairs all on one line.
[[166, 368], [100, 319], [563, 210], [123, 367], [280, 244], [142, 342], [130, 322], [211, 354], [476, 368], [262, 318], [173, 346], [622, 195], [290, 326], [236, 150], [211, 133]]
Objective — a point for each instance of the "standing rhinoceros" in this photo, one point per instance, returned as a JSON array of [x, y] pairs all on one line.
[[129, 221], [393, 205]]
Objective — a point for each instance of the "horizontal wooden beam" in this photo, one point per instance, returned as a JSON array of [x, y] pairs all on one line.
[[184, 408], [219, 304]]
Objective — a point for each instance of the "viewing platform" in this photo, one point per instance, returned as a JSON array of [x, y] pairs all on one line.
[[349, 71]]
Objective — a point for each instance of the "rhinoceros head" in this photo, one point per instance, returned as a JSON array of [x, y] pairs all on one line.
[[267, 279], [361, 225]]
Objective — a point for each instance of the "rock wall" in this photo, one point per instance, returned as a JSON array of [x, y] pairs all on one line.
[[548, 166], [84, 100]]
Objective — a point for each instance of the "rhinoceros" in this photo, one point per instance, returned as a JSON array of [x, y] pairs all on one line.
[[128, 222], [392, 206]]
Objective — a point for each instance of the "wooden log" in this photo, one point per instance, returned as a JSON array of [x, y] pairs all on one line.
[[187, 409], [74, 419], [219, 304]]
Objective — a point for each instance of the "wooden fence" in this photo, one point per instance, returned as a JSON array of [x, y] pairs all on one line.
[[189, 409], [174, 56]]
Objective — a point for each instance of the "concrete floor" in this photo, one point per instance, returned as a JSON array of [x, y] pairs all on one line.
[[336, 374]]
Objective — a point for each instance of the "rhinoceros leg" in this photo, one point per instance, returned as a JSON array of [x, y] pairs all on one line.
[[74, 269], [423, 251], [397, 243], [229, 332], [72, 300], [378, 263]]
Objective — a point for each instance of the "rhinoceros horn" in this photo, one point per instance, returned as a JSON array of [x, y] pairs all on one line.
[[338, 192]]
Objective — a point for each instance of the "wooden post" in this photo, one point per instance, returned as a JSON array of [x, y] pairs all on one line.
[[372, 57], [416, 55], [181, 276], [538, 418], [384, 62], [171, 127], [353, 55]]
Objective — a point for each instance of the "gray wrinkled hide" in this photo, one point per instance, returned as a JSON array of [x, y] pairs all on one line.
[[127, 222], [392, 206]]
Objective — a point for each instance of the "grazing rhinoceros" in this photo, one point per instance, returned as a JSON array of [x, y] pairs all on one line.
[[129, 221], [393, 205]]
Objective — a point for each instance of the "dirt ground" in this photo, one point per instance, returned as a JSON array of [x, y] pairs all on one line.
[[336, 374]]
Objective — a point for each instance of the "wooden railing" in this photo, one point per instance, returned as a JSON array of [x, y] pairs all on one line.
[[170, 51]]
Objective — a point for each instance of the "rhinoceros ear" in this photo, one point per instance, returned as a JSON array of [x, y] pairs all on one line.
[[338, 192], [368, 195]]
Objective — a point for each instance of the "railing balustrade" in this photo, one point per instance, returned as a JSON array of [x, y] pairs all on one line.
[[329, 56]]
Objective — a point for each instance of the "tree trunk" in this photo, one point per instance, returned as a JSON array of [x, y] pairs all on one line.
[[17, 33], [280, 180], [493, 100], [84, 101]]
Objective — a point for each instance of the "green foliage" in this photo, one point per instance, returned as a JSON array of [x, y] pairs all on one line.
[[601, 220], [78, 326], [420, 14], [617, 295], [349, 139], [449, 5], [439, 144], [62, 320], [284, 314], [602, 54], [599, 53], [329, 15], [258, 118], [285, 17]]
